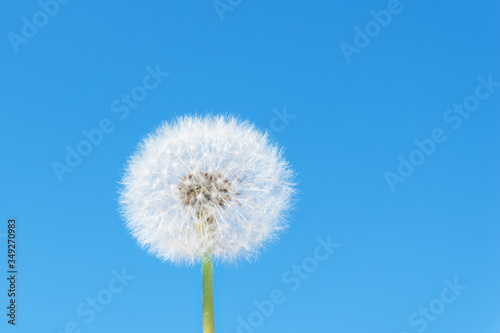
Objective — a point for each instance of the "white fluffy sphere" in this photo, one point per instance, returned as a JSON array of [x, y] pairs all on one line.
[[209, 184]]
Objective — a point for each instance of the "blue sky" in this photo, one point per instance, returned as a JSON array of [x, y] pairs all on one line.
[[394, 142]]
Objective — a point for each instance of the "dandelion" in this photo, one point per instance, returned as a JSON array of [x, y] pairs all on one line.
[[203, 189]]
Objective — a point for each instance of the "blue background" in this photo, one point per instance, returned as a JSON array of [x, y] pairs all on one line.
[[352, 121]]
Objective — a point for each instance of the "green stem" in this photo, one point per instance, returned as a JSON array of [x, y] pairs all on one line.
[[208, 294]]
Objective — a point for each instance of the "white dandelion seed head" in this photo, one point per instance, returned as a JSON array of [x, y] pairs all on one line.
[[210, 184]]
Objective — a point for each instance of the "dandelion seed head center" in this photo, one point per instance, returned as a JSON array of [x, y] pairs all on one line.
[[205, 191]]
